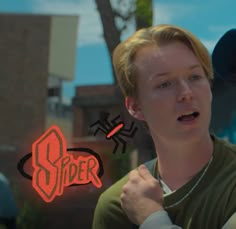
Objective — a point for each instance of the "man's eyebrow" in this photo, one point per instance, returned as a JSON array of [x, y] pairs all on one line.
[[195, 66], [167, 73]]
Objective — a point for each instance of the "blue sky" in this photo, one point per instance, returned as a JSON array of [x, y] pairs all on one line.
[[208, 20]]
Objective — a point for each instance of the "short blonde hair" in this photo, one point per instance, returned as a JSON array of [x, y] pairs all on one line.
[[124, 54]]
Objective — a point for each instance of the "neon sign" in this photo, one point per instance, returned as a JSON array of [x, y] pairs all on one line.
[[55, 169], [115, 130]]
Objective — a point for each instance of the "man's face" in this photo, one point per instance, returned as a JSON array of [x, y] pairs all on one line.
[[174, 95]]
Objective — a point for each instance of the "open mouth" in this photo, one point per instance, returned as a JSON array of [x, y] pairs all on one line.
[[188, 117]]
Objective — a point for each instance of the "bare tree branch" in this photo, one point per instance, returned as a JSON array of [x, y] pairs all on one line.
[[111, 33], [115, 19], [126, 17]]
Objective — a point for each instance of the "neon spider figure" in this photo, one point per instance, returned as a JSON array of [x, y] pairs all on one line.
[[115, 130]]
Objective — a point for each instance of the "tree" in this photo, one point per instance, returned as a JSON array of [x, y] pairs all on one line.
[[143, 13], [115, 18]]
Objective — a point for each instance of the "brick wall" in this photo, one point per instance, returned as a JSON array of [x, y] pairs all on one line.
[[24, 44]]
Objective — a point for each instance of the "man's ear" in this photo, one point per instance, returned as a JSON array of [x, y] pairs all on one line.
[[133, 108]]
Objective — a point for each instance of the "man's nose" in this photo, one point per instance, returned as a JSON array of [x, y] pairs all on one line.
[[185, 92]]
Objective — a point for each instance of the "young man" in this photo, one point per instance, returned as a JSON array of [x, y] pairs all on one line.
[[165, 73]]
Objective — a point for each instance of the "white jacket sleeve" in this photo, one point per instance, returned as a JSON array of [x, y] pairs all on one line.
[[160, 220], [231, 223]]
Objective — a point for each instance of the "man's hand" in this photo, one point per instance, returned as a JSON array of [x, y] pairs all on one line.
[[141, 195]]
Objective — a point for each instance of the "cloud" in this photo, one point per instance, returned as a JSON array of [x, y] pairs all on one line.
[[221, 29], [89, 27], [162, 15], [210, 44], [218, 31], [167, 13]]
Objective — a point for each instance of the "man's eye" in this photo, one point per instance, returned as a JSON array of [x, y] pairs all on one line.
[[164, 85], [195, 77]]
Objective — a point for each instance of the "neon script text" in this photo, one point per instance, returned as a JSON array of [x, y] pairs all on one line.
[[55, 169]]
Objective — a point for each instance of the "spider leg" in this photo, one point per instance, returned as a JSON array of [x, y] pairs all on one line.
[[124, 144], [130, 128], [107, 123], [104, 121], [101, 129], [115, 119], [130, 135], [96, 123], [116, 145]]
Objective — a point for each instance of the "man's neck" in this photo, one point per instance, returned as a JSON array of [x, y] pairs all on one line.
[[178, 163]]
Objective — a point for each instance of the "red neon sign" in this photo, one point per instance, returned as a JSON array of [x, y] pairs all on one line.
[[115, 130], [55, 169]]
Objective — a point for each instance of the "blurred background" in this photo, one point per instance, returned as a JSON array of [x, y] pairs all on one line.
[[56, 68]]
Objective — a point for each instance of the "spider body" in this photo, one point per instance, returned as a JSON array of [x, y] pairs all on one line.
[[115, 131]]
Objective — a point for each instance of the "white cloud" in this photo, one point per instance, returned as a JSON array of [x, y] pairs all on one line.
[[167, 13], [221, 29], [89, 28], [162, 14], [210, 44]]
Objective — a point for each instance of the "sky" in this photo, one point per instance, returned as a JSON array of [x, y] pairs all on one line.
[[207, 19]]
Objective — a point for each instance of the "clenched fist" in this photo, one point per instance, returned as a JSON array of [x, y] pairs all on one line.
[[141, 195]]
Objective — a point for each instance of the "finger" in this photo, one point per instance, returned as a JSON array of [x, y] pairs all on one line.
[[144, 172], [134, 177], [122, 200], [134, 173], [125, 188]]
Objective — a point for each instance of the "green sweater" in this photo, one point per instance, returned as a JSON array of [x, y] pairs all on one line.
[[209, 205]]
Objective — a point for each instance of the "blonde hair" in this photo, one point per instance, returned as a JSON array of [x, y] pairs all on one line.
[[124, 54]]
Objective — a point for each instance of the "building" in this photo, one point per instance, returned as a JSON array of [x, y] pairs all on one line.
[[37, 53]]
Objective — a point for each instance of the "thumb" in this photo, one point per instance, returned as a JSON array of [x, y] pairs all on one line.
[[144, 172]]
